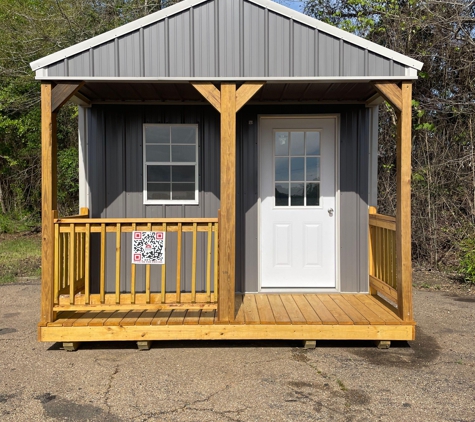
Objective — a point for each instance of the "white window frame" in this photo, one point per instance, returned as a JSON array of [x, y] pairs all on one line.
[[169, 163]]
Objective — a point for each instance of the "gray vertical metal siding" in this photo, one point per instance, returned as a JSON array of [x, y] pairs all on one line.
[[116, 167], [115, 138], [227, 39]]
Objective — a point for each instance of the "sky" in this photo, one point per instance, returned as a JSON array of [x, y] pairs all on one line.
[[293, 4]]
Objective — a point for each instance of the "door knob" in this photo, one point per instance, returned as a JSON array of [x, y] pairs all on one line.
[[330, 212]]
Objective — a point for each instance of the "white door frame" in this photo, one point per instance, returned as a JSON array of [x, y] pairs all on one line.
[[337, 201]]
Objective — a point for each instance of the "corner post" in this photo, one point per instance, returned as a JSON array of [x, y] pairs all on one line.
[[403, 213], [49, 199], [227, 233]]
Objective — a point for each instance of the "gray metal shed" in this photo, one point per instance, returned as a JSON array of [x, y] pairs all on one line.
[[154, 97]]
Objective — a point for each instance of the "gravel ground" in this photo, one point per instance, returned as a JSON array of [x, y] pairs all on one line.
[[430, 379]]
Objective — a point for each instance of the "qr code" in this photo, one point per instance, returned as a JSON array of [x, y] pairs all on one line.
[[148, 248]]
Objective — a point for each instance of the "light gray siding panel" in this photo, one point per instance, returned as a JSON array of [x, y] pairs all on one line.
[[399, 69], [229, 31], [179, 50], [254, 41], [79, 65], [204, 40], [105, 60], [279, 45], [328, 55], [155, 56], [353, 60], [304, 50], [57, 69], [378, 66], [129, 55]]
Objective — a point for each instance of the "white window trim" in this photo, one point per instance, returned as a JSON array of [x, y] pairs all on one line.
[[170, 163]]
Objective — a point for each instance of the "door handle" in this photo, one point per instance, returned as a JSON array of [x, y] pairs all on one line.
[[330, 212]]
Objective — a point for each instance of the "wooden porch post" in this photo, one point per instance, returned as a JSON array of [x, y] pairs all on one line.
[[401, 100], [48, 200], [403, 214], [52, 99], [227, 241], [228, 102]]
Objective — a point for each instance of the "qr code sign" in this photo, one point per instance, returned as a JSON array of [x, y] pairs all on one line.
[[148, 248]]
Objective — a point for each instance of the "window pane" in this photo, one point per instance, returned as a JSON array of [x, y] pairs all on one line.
[[158, 173], [296, 194], [281, 194], [183, 135], [184, 153], [313, 194], [183, 174], [313, 169], [296, 143], [158, 153], [281, 168], [312, 143], [281, 143], [297, 169], [157, 134], [183, 191], [158, 190]]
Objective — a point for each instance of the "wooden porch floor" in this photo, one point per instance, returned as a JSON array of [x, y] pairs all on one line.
[[258, 316]]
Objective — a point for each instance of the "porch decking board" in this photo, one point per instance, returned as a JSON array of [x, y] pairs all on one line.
[[258, 316]]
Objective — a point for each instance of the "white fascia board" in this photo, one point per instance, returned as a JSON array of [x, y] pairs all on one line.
[[269, 80], [114, 33], [339, 33]]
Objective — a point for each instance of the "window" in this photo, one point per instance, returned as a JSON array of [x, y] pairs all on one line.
[[170, 164], [297, 168]]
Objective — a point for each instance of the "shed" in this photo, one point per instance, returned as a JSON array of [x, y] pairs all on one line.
[[242, 136]]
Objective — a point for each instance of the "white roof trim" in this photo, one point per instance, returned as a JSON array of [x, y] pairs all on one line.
[[186, 4], [269, 80]]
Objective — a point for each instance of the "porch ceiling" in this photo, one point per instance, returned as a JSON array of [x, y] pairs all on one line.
[[147, 92]]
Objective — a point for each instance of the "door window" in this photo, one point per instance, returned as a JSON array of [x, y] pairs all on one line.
[[297, 168]]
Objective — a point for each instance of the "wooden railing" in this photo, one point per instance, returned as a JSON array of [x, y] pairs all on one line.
[[382, 255], [82, 243]]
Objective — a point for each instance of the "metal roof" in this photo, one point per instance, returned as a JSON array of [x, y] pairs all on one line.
[[226, 39]]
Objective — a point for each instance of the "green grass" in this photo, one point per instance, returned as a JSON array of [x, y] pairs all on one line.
[[20, 256]]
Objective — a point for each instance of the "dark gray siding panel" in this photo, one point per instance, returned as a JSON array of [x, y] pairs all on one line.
[[116, 174], [227, 39]]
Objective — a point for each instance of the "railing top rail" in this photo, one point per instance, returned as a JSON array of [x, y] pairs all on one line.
[[83, 220], [383, 221]]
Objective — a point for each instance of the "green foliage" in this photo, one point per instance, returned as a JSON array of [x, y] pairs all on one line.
[[467, 261], [20, 256]]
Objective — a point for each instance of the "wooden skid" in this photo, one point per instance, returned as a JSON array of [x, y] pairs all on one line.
[[258, 316]]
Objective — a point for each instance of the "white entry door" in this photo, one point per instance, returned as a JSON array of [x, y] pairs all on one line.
[[297, 211]]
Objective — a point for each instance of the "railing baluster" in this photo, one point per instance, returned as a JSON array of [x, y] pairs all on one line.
[[163, 287], [193, 266], [118, 236], [208, 264], [66, 260], [178, 264], [147, 273], [103, 264], [216, 262], [56, 264], [72, 272], [87, 252], [134, 274]]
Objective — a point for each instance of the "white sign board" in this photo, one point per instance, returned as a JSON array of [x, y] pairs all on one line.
[[148, 248]]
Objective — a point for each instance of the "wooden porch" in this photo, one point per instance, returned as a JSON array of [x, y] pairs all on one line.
[[257, 316]]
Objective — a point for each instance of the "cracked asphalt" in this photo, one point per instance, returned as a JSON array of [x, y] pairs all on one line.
[[430, 379]]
